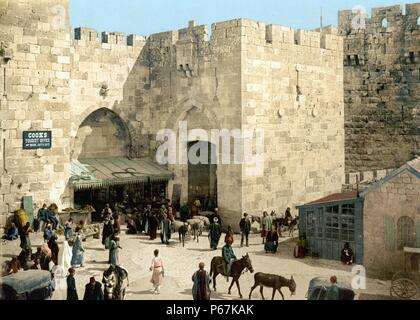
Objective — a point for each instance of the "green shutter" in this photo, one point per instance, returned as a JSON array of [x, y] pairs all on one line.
[[389, 233], [418, 234], [29, 208]]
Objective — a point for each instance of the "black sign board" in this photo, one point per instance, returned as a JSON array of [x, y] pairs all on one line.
[[36, 140]]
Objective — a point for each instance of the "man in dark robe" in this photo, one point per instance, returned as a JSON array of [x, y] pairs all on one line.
[[201, 287], [43, 217], [117, 225], [272, 240], [288, 217], [347, 254], [146, 216], [52, 244], [245, 226], [165, 233], [215, 232], [185, 213], [216, 215], [93, 290], [71, 286], [153, 226], [107, 232], [51, 216]]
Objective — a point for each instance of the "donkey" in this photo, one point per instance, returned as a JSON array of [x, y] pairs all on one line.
[[197, 227], [218, 266], [273, 281], [182, 231]]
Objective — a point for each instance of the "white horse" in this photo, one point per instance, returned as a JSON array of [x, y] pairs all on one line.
[[115, 281]]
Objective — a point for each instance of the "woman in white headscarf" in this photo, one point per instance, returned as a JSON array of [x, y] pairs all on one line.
[[64, 256], [59, 271]]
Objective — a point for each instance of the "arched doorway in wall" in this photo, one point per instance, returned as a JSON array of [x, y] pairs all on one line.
[[102, 171], [202, 174]]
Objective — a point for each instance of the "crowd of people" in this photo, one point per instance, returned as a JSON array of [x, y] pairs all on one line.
[[70, 256]]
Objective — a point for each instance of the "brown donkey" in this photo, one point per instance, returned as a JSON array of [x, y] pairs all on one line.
[[273, 281]]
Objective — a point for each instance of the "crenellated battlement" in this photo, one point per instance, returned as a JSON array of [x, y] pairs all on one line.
[[89, 35], [326, 38], [383, 18]]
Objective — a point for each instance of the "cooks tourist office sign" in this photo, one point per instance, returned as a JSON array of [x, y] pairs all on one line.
[[36, 140]]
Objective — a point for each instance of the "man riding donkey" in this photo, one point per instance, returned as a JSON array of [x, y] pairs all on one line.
[[229, 257]]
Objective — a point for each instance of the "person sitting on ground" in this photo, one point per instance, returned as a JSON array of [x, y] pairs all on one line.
[[80, 226], [37, 254], [12, 233], [43, 217], [347, 255], [13, 266], [23, 258], [131, 227], [51, 216], [272, 240], [36, 264], [229, 257]]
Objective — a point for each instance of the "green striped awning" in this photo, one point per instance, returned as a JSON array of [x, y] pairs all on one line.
[[96, 173]]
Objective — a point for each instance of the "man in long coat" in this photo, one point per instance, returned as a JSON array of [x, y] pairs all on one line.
[[107, 232], [93, 290], [165, 232], [201, 287], [71, 286], [52, 244], [215, 232], [153, 226]]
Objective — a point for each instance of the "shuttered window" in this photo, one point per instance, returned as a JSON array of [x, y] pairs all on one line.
[[406, 234]]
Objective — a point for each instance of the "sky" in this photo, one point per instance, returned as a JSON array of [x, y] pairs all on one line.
[[145, 17]]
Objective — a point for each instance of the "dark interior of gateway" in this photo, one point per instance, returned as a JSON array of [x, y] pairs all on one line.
[[202, 177]]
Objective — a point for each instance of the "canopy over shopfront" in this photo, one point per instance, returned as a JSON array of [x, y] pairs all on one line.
[[98, 173]]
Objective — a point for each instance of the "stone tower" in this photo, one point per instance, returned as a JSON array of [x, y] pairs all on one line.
[[381, 84]]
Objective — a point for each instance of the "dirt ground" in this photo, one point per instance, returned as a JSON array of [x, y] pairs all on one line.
[[181, 263]]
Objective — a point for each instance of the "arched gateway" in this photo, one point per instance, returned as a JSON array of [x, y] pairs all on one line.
[[102, 171]]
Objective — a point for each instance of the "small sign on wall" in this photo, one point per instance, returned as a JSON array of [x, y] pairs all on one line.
[[37, 140]]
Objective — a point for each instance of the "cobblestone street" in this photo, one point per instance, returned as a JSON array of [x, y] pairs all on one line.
[[181, 263]]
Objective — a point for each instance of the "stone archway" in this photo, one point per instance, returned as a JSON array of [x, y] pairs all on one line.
[[198, 116], [132, 129], [102, 134]]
